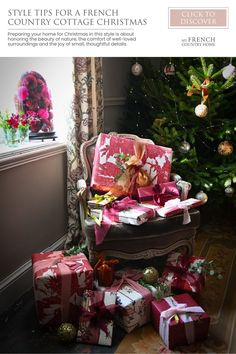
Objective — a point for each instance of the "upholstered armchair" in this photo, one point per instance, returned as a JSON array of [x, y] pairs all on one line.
[[156, 237]]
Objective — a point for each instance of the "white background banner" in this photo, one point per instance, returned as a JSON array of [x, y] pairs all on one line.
[[105, 28]]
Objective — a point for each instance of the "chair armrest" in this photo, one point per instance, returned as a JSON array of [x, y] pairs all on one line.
[[83, 195], [184, 187]]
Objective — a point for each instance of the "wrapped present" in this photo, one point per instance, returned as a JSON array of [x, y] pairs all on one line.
[[183, 262], [96, 317], [133, 300], [99, 201], [59, 282], [179, 272], [121, 164], [179, 320], [104, 271], [158, 194], [176, 206], [126, 210]]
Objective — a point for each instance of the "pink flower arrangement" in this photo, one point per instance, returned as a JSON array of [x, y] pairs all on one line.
[[33, 95], [21, 121]]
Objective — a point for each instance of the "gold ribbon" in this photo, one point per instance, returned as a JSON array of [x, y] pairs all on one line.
[[203, 90], [133, 176], [107, 198]]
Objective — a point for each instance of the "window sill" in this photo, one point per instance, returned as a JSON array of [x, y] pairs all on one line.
[[35, 150]]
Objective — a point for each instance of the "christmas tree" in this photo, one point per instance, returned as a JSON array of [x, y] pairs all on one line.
[[189, 104]]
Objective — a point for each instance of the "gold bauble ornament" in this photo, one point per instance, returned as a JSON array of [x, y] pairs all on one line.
[[66, 332], [143, 179], [201, 110], [202, 196], [225, 148], [150, 275]]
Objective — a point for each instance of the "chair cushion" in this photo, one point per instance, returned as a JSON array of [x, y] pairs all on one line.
[[157, 227]]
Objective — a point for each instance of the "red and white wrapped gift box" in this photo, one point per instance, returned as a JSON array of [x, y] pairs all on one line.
[[59, 282], [156, 161], [133, 299], [176, 206], [127, 211], [179, 320], [96, 317], [178, 272]]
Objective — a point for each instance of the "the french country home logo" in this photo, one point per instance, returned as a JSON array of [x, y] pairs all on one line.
[[198, 17]]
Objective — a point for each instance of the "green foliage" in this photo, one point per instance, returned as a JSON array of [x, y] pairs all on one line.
[[75, 250], [204, 66], [168, 112], [3, 120]]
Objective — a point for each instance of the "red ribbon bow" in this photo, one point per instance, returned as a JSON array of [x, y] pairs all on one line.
[[160, 193], [123, 204], [98, 315], [110, 215]]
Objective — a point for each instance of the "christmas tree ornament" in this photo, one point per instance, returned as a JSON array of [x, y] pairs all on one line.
[[150, 275], [184, 147], [201, 110], [225, 148], [175, 177], [204, 89], [229, 191], [228, 132], [169, 69], [66, 332], [136, 69], [228, 71], [202, 196]]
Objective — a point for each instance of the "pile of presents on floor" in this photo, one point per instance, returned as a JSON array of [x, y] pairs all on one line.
[[131, 184], [83, 302]]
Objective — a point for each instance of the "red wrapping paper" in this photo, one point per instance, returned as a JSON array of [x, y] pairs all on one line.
[[156, 161], [159, 194], [175, 206], [59, 282], [177, 273], [104, 271], [126, 210], [182, 330], [96, 317]]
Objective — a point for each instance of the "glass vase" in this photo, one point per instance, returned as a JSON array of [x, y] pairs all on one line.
[[11, 137], [24, 136]]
